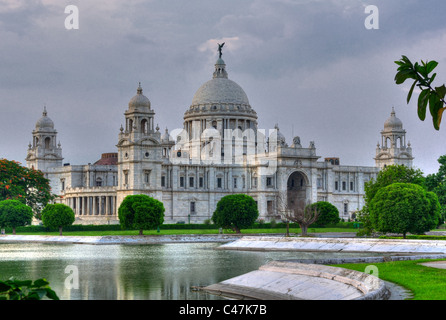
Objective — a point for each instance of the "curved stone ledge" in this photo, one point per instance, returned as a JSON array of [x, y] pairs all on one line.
[[297, 281], [399, 246]]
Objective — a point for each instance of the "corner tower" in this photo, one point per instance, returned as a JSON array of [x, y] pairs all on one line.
[[44, 152], [139, 149], [393, 148]]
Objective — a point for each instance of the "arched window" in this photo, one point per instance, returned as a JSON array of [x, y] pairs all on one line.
[[144, 126], [47, 143]]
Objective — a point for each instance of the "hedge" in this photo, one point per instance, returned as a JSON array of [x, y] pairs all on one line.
[[176, 226]]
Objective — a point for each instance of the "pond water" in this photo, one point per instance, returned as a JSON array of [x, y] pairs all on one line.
[[140, 272]]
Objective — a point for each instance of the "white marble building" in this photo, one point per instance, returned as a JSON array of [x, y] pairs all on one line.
[[220, 151]]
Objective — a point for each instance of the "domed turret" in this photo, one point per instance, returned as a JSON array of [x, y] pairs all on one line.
[[139, 101], [44, 122], [393, 123]]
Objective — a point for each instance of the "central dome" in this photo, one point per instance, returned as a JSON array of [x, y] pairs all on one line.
[[220, 90], [220, 96]]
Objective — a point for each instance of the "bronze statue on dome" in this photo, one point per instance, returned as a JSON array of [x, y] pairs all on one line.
[[220, 46]]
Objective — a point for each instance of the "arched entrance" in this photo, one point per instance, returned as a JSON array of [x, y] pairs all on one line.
[[296, 191]]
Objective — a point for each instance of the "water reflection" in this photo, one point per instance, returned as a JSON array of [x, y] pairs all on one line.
[[124, 272]]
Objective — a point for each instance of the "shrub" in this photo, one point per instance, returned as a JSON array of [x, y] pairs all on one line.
[[14, 213], [403, 208], [141, 212], [57, 215], [328, 213], [237, 211]]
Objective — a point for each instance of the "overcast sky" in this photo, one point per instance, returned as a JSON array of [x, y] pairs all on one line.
[[311, 66]]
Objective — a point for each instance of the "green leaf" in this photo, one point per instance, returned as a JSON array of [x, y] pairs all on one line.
[[422, 104], [434, 106], [431, 66], [402, 76], [51, 294], [411, 91], [441, 91], [4, 286], [40, 283], [24, 283]]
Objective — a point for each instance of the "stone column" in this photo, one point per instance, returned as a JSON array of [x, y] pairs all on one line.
[[107, 207]]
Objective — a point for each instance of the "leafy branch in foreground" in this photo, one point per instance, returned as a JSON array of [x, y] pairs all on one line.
[[429, 95], [26, 290]]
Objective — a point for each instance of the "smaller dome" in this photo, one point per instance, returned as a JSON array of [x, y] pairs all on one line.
[[139, 101], [276, 137], [393, 123], [44, 122], [166, 136]]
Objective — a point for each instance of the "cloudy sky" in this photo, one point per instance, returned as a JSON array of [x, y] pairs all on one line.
[[311, 66]]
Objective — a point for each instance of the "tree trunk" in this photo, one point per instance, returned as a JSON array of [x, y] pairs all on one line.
[[140, 232], [13, 230], [304, 229], [287, 229], [60, 231]]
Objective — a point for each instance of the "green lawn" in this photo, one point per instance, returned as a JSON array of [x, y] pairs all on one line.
[[426, 283]]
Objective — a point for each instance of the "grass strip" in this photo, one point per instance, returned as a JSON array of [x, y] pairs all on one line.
[[426, 283]]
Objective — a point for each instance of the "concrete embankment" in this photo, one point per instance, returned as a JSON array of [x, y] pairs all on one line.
[[281, 280], [390, 249], [311, 280]]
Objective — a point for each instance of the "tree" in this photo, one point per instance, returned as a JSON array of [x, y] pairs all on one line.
[[304, 215], [236, 211], [29, 186], [328, 213], [297, 209], [14, 213], [437, 183], [403, 208], [57, 215], [387, 176], [141, 212], [420, 74]]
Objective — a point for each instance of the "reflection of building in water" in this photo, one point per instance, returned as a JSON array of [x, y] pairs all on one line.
[[219, 151]]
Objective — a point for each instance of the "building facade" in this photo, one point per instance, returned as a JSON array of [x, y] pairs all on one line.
[[219, 151]]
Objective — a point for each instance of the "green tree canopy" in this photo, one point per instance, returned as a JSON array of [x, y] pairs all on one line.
[[237, 211], [141, 212], [26, 185], [57, 215], [392, 174], [14, 213], [437, 183], [404, 208], [387, 176], [327, 213]]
